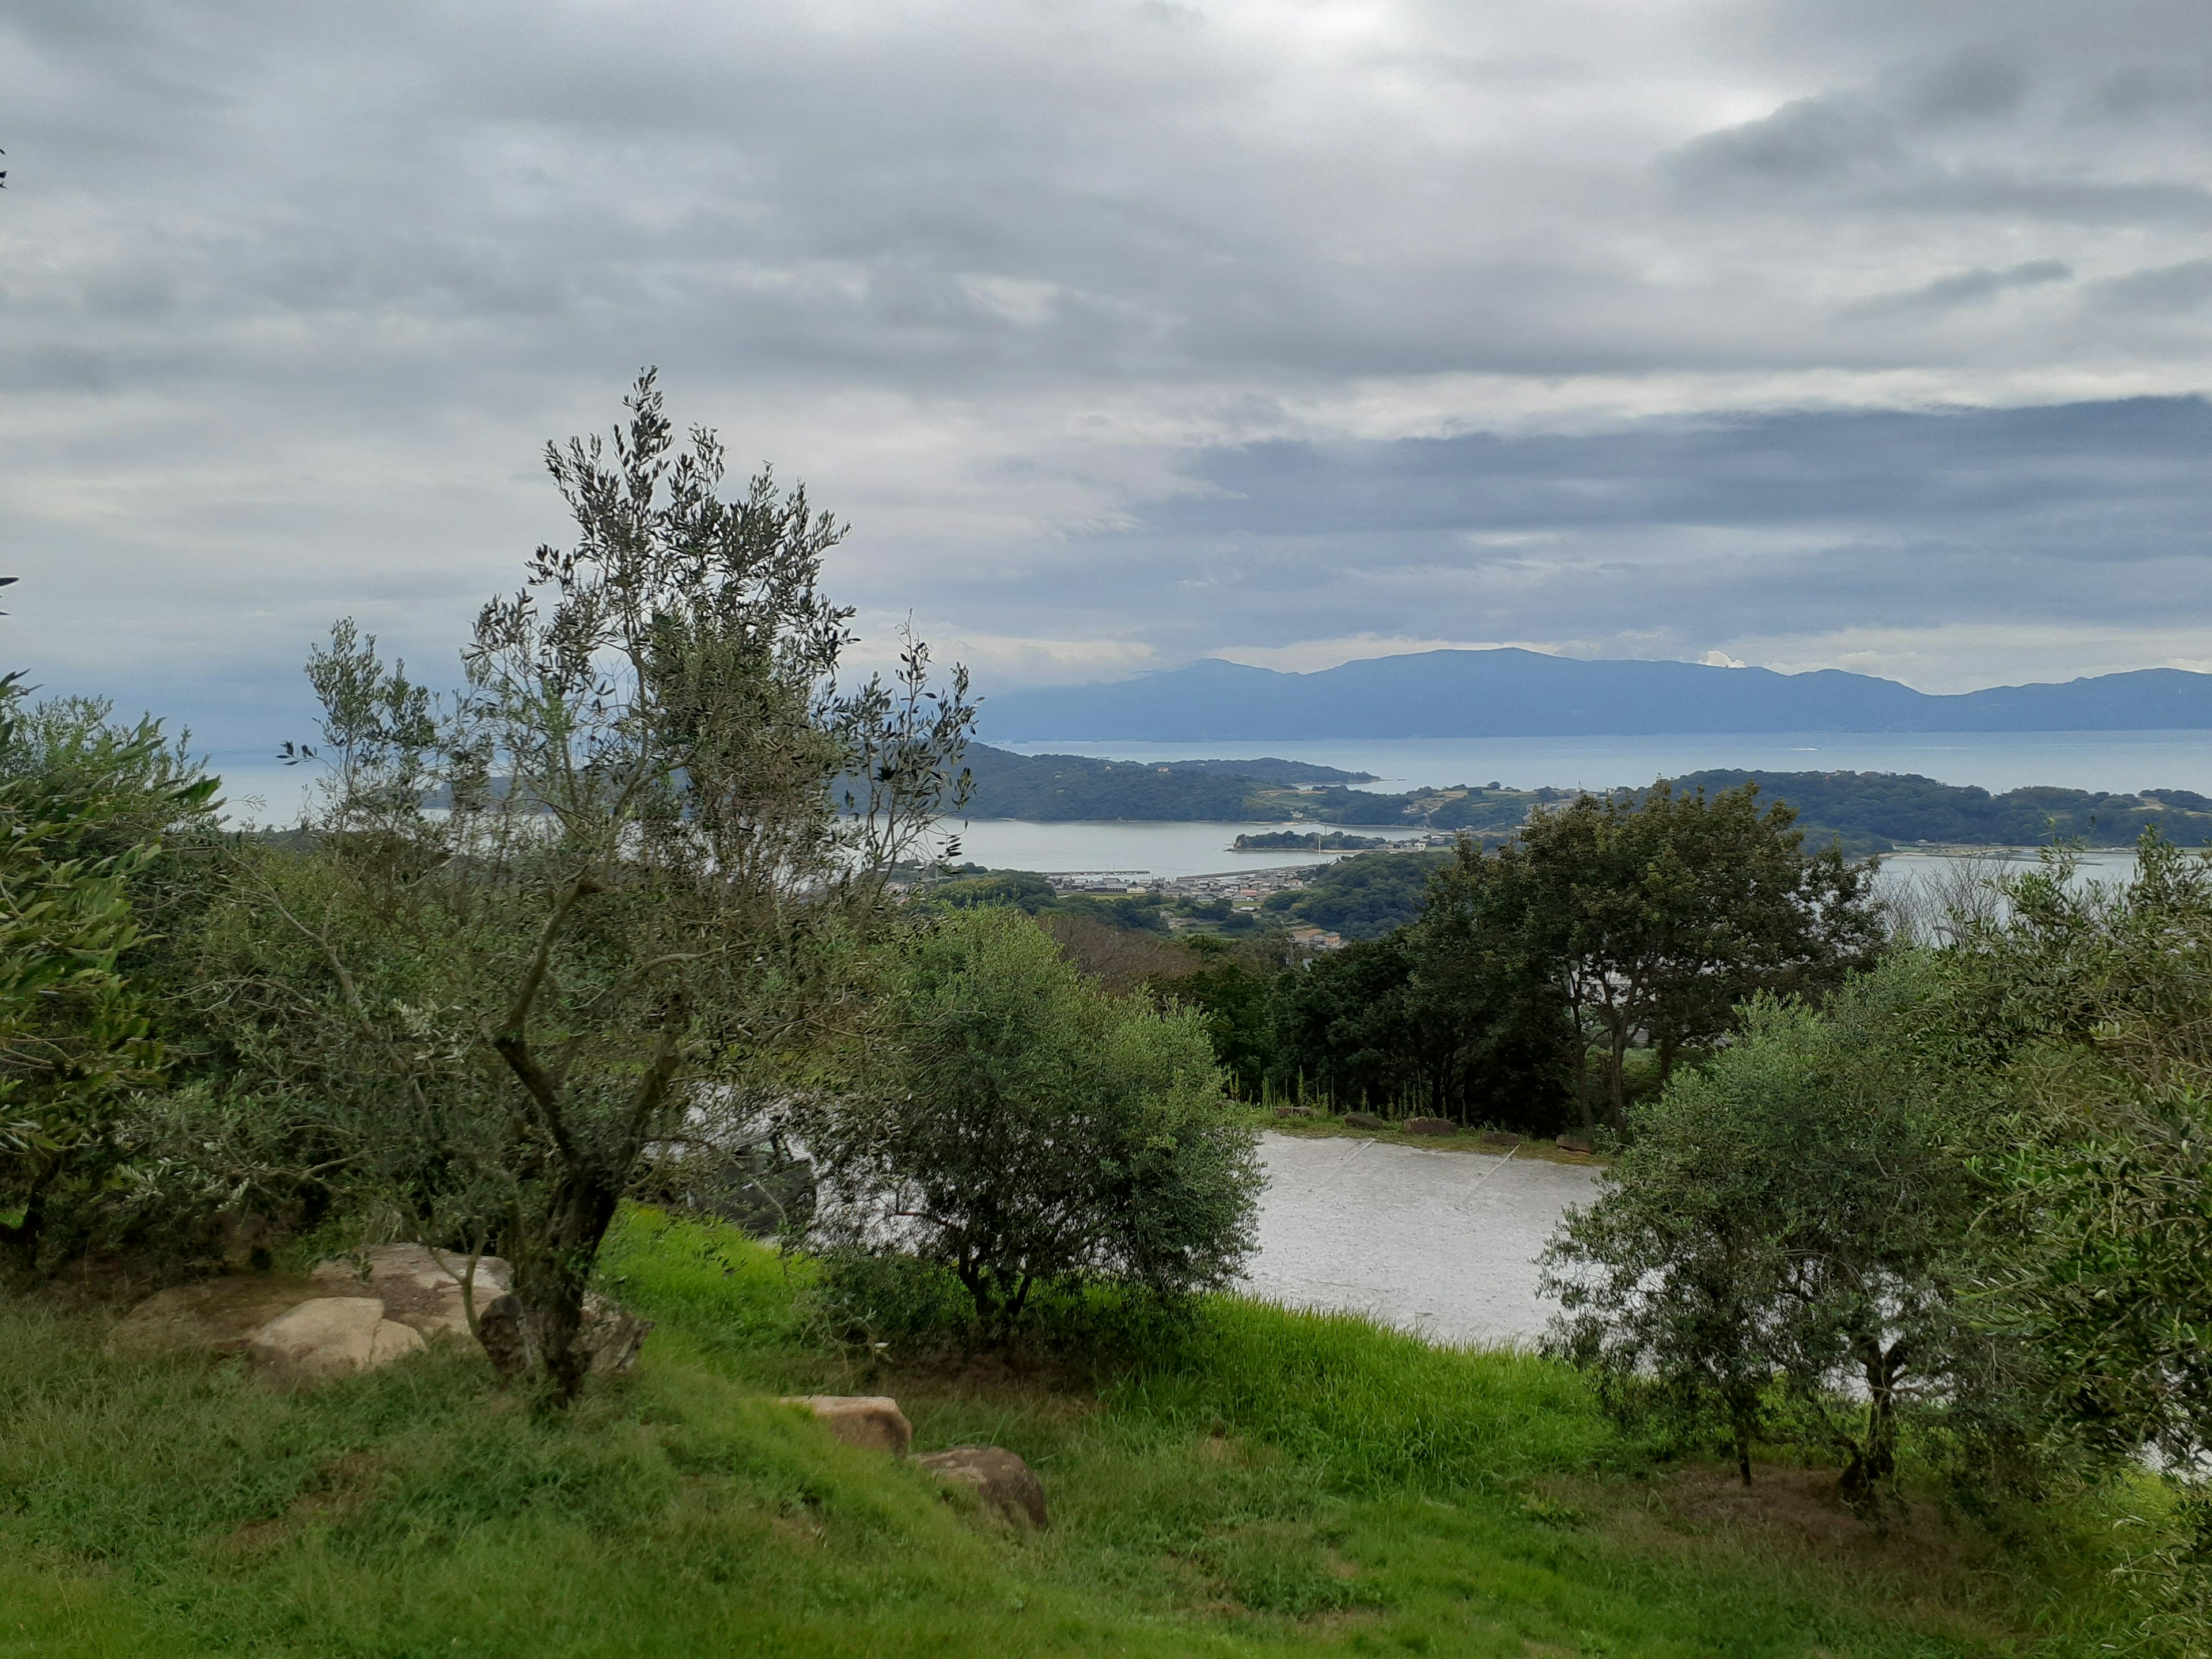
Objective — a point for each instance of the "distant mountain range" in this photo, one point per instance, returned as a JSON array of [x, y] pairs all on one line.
[[1509, 693]]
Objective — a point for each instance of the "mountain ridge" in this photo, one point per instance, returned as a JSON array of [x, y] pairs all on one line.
[[1511, 692]]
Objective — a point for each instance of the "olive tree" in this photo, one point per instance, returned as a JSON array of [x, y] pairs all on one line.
[[2091, 1005], [90, 813], [611, 894], [1788, 1225], [1025, 1126]]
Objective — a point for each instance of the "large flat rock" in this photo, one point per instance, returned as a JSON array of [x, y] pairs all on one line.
[[420, 1288], [330, 1336]]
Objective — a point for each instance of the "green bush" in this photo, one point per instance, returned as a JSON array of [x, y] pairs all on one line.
[[1027, 1128]]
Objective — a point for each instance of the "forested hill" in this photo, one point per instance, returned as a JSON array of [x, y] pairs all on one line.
[[1877, 811], [1060, 788], [1870, 811]]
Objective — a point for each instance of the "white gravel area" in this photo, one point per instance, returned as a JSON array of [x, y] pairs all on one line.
[[1440, 1244]]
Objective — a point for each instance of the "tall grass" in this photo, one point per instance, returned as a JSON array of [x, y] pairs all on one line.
[[1371, 1410], [1246, 1482]]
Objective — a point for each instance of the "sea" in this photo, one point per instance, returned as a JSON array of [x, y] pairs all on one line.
[[1996, 761], [261, 792]]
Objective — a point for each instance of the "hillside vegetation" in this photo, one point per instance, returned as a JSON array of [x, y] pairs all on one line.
[[1060, 788], [1252, 1482], [1880, 811]]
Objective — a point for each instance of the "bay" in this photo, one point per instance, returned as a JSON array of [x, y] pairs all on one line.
[[2121, 761], [1140, 851]]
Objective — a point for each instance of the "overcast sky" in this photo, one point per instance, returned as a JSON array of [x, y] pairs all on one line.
[[1866, 334]]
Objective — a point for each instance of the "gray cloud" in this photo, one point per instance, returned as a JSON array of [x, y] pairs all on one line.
[[2170, 290], [1965, 288], [289, 297]]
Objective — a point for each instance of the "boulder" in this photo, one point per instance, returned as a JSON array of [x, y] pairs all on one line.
[[1573, 1144], [421, 1287], [1294, 1111], [1430, 1126], [330, 1335], [1500, 1138], [1002, 1480], [611, 1335], [1364, 1121], [872, 1422]]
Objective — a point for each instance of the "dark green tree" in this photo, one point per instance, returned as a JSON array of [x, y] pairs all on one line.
[[91, 811], [2090, 1005], [1665, 912]]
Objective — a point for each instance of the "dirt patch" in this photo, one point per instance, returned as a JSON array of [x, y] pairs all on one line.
[[345, 1486], [214, 1316], [1805, 1502], [1912, 1560], [1462, 1140]]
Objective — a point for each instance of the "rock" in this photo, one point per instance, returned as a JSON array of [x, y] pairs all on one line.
[[871, 1421], [421, 1287], [1430, 1126], [217, 1316], [330, 1335], [1002, 1480], [1573, 1144], [1499, 1138], [609, 1333], [1364, 1121], [499, 1327], [1294, 1111]]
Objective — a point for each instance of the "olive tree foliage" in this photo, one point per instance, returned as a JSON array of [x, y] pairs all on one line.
[[94, 817], [2092, 1002], [1785, 1230], [600, 903], [1024, 1126]]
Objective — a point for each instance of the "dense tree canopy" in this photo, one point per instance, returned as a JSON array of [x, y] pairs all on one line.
[[1793, 1214], [97, 822], [1662, 913]]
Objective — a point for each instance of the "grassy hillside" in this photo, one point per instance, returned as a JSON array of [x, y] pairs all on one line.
[[1261, 1483]]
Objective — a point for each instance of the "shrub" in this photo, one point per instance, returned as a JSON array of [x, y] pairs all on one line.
[[85, 805], [1030, 1129]]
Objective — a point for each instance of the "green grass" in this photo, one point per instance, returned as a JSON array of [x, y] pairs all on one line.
[[1257, 1483]]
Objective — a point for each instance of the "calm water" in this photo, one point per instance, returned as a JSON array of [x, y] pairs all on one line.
[[262, 792], [1165, 850], [1441, 1243]]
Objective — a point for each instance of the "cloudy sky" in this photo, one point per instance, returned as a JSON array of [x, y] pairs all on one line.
[[1125, 331]]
